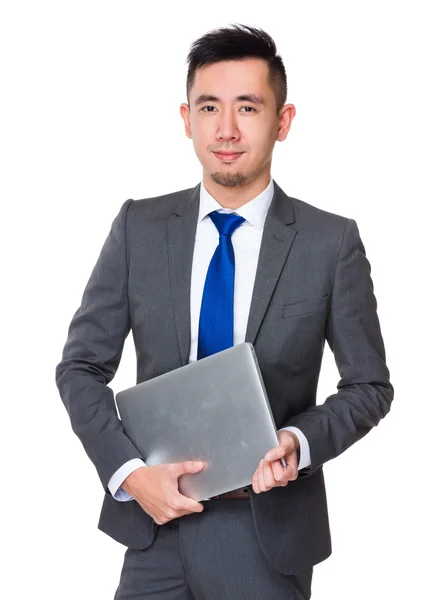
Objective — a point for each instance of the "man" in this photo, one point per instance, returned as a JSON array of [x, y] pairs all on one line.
[[235, 252]]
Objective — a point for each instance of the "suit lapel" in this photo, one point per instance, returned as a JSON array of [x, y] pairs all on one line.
[[181, 234], [276, 242]]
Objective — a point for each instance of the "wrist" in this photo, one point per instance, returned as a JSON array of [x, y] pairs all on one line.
[[129, 484], [292, 436]]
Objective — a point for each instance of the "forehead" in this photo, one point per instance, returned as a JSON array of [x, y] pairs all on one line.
[[232, 77]]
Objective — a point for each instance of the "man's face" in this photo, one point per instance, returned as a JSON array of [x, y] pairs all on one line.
[[219, 121]]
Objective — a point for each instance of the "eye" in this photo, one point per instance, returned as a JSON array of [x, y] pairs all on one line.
[[209, 106]]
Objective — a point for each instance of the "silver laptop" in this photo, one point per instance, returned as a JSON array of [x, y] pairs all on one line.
[[215, 410]]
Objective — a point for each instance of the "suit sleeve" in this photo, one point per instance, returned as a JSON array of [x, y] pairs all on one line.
[[92, 353], [353, 333]]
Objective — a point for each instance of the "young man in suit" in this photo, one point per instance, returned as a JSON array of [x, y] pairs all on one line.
[[194, 272]]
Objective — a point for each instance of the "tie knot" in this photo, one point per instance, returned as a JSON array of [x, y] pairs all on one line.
[[226, 223]]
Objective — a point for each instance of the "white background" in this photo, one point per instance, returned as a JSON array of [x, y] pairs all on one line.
[[90, 117]]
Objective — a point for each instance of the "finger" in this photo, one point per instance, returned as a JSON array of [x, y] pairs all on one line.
[[290, 473], [255, 485], [278, 471], [184, 503], [278, 474], [261, 482], [198, 507], [269, 478]]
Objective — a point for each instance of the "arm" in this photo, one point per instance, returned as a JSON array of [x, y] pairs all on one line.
[[353, 333], [92, 354]]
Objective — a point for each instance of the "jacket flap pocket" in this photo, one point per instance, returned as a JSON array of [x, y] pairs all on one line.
[[305, 306]]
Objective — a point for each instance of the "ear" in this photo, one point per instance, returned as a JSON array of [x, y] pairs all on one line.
[[286, 116], [185, 114]]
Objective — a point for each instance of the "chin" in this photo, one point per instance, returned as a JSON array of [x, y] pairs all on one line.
[[228, 179]]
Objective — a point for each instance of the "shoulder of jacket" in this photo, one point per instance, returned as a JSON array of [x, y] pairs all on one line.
[[157, 207], [309, 215]]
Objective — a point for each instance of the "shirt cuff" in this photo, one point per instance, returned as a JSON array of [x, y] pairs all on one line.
[[305, 457], [120, 475]]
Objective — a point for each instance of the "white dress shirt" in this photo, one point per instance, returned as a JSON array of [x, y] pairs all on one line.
[[246, 241]]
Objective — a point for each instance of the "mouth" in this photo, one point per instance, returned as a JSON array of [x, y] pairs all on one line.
[[228, 157]]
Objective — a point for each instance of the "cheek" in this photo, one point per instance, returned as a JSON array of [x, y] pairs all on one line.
[[203, 155], [260, 140], [202, 140], [203, 129]]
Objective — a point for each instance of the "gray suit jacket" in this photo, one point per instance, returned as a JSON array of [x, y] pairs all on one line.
[[312, 283]]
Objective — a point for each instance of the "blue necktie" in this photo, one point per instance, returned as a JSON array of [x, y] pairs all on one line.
[[216, 323]]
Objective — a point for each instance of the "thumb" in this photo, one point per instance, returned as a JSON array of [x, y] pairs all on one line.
[[276, 453], [189, 466]]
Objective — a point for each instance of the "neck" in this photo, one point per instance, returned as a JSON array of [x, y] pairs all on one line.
[[234, 197]]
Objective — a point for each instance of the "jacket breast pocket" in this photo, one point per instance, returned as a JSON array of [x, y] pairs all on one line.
[[306, 306]]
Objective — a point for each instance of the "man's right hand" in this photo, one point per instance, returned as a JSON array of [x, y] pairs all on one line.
[[156, 490]]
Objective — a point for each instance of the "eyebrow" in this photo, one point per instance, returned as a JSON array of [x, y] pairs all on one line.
[[242, 98]]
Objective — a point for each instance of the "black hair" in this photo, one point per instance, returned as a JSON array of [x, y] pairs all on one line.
[[237, 43]]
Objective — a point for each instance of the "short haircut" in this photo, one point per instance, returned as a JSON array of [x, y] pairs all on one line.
[[237, 43]]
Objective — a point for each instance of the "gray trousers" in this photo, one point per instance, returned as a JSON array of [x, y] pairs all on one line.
[[213, 555]]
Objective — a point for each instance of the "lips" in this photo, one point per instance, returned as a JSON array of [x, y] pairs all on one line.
[[228, 156]]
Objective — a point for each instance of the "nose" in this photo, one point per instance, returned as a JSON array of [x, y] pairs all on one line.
[[227, 128]]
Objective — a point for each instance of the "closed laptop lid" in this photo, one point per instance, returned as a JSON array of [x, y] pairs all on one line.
[[215, 410]]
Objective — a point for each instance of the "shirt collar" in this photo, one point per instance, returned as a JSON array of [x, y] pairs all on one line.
[[254, 211]]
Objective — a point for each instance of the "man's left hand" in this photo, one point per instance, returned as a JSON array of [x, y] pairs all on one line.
[[270, 472]]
